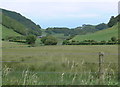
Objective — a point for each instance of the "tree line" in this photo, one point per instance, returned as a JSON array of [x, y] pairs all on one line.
[[112, 41], [50, 40], [82, 30]]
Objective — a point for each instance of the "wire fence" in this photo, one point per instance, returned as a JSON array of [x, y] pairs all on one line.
[[100, 72]]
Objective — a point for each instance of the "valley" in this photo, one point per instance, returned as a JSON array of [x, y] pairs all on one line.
[[58, 55]]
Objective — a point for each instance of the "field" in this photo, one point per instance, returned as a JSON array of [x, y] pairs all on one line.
[[58, 65], [100, 35]]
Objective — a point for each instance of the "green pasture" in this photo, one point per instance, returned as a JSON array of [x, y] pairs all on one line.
[[58, 65], [7, 44], [56, 53], [100, 35]]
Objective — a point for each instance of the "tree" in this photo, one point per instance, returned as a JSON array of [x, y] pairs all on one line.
[[43, 39], [30, 39], [65, 42], [113, 39], [49, 40]]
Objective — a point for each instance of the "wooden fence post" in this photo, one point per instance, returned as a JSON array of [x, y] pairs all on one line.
[[101, 68]]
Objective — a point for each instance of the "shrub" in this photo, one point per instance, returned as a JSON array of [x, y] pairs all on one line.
[[49, 40], [114, 39], [30, 39], [65, 42]]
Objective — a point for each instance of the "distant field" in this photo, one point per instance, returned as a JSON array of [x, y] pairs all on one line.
[[57, 65], [53, 53], [100, 35], [8, 32]]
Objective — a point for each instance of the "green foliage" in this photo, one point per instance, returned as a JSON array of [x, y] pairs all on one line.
[[101, 26], [88, 28], [113, 39], [103, 41], [30, 39], [65, 42], [89, 43], [15, 39], [113, 20], [72, 32], [58, 30], [49, 40]]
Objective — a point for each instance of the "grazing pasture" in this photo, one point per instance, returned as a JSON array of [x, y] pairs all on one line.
[[105, 35], [58, 65]]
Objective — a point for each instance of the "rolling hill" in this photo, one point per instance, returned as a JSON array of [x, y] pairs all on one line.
[[14, 24], [19, 23], [105, 34]]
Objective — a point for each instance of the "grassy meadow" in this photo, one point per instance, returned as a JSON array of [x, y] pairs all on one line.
[[58, 65], [105, 35]]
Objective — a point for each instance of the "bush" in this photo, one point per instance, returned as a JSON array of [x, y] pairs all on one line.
[[49, 40], [114, 39], [65, 42], [30, 39]]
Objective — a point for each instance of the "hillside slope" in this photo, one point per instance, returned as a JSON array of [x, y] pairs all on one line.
[[23, 20], [19, 23], [100, 35], [6, 32]]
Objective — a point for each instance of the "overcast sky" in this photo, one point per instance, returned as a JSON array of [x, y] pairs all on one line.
[[64, 13]]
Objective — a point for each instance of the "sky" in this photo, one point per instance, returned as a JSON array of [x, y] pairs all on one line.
[[64, 13]]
